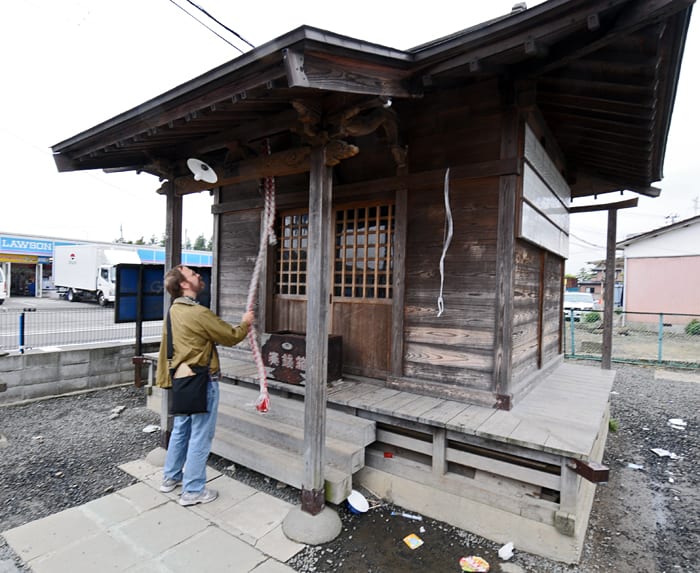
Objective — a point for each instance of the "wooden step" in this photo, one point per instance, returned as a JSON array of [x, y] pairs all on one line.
[[290, 411], [268, 430], [277, 463]]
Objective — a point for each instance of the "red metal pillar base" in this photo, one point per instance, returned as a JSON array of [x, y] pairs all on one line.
[[313, 501]]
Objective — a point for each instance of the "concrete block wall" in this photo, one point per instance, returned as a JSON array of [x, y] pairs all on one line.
[[38, 374]]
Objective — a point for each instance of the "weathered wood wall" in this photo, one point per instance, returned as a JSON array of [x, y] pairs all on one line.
[[456, 348], [451, 355], [526, 319]]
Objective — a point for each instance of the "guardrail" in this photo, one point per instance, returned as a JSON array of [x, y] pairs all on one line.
[[31, 328], [638, 337]]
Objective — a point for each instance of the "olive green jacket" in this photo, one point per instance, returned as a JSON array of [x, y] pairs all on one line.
[[196, 332]]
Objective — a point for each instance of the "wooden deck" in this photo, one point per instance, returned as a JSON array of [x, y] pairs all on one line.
[[505, 475], [561, 415]]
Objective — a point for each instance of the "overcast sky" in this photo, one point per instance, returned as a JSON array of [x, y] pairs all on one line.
[[68, 65]]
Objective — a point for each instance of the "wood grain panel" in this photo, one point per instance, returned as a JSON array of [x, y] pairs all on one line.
[[288, 314], [457, 347], [526, 317], [239, 236], [366, 332]]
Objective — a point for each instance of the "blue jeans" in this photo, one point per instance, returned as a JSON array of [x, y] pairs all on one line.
[[190, 443]]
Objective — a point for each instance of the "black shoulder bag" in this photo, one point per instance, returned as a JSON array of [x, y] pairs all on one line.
[[189, 393]]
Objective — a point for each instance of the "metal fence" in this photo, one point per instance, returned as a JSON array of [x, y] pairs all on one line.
[[31, 328], [642, 338], [638, 337]]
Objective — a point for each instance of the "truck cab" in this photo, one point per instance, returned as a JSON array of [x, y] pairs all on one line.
[[106, 284]]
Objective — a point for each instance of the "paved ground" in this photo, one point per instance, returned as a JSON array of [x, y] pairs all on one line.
[[139, 529]]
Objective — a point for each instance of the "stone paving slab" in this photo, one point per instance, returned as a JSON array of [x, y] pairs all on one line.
[[141, 530]]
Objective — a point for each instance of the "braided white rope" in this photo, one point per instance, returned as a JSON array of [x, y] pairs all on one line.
[[266, 237], [447, 240]]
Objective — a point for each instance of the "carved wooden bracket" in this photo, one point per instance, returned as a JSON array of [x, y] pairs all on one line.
[[288, 162]]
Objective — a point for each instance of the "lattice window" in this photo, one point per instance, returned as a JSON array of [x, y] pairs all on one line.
[[291, 259], [364, 252]]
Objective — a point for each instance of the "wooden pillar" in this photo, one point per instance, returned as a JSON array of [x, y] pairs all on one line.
[[216, 245], [565, 517], [399, 266], [318, 292], [505, 253], [439, 451], [609, 291], [173, 257], [173, 229]]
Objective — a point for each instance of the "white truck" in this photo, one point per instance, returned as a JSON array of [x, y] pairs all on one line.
[[89, 271]]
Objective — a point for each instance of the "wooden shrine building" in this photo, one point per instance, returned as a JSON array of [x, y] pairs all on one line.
[[437, 184]]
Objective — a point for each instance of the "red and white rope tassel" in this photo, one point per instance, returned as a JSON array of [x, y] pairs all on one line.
[[266, 237]]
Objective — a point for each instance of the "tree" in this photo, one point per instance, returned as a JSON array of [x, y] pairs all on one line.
[[585, 274], [200, 243]]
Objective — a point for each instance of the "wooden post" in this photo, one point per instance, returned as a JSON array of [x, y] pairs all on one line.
[[609, 282], [400, 224], [505, 264], [215, 247], [173, 257], [318, 292], [609, 291]]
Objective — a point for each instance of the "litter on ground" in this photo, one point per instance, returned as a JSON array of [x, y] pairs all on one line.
[[413, 541], [506, 552], [664, 453], [474, 564]]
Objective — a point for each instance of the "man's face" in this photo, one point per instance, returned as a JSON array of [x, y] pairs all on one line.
[[193, 281]]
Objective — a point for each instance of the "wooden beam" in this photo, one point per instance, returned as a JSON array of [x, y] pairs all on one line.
[[605, 207], [587, 184], [340, 74], [589, 470], [288, 162]]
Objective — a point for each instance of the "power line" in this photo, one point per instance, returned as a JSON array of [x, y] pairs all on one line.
[[586, 242], [224, 26], [207, 27]]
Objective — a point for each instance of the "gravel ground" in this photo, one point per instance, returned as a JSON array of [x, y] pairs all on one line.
[[63, 452]]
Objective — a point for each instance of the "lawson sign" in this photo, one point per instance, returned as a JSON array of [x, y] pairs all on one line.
[[29, 245]]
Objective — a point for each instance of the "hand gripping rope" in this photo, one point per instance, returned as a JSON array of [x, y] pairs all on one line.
[[447, 239], [266, 237]]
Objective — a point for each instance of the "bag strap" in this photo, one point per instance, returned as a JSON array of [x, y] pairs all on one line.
[[170, 337], [171, 350]]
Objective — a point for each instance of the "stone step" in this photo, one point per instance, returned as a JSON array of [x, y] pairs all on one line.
[[277, 463], [270, 431], [290, 411]]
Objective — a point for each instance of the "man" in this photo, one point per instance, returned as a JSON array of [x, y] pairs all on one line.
[[195, 332]]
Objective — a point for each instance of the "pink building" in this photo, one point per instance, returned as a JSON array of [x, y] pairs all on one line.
[[662, 271]]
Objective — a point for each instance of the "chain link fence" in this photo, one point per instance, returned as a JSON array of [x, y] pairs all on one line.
[[638, 337], [31, 328]]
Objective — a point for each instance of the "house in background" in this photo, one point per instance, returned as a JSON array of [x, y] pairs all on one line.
[[595, 284], [662, 272]]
